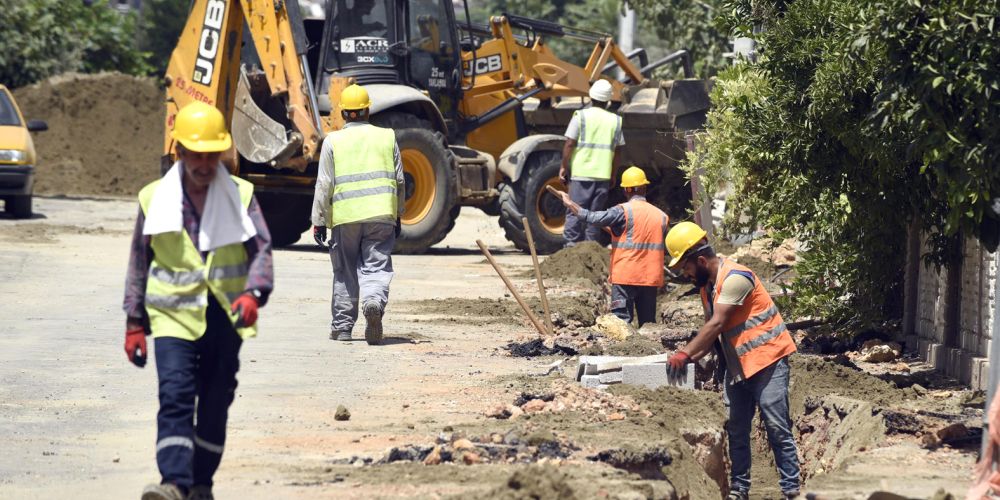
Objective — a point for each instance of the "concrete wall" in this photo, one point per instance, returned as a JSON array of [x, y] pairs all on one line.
[[950, 320]]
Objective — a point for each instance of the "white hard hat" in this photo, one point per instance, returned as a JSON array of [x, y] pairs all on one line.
[[601, 91]]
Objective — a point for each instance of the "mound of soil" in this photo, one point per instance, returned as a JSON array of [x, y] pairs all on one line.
[[105, 133], [587, 260], [817, 377]]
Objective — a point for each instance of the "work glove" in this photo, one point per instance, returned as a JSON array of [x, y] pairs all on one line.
[[399, 227], [245, 306], [676, 364], [319, 234], [135, 345]]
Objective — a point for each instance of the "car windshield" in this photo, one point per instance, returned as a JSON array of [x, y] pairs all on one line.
[[8, 115], [361, 33]]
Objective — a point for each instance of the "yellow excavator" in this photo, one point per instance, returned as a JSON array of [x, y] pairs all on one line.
[[478, 110]]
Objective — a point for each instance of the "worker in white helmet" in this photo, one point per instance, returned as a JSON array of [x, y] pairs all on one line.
[[593, 141]]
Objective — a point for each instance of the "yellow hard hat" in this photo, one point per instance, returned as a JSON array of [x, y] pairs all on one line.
[[354, 97], [681, 238], [634, 177], [201, 127]]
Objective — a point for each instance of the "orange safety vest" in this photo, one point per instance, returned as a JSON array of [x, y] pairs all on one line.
[[637, 254], [755, 335]]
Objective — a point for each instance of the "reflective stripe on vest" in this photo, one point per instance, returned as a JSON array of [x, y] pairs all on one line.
[[364, 174], [595, 146], [756, 334], [179, 281], [637, 255]]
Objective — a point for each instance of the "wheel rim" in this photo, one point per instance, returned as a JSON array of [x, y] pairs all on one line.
[[421, 186], [550, 210]]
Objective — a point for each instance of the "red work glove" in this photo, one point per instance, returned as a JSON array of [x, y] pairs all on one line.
[[135, 345], [245, 306], [677, 362]]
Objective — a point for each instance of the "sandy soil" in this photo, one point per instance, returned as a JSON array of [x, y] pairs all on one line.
[[79, 421]]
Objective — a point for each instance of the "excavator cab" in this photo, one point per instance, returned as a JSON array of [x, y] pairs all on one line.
[[390, 42]]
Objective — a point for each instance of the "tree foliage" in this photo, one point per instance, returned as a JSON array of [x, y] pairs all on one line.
[[40, 38], [858, 117], [160, 28], [687, 24]]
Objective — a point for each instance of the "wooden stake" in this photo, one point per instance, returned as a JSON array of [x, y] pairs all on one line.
[[510, 286], [538, 277]]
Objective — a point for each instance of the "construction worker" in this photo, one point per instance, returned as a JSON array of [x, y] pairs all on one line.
[[359, 196], [200, 268], [637, 254], [745, 325], [593, 139]]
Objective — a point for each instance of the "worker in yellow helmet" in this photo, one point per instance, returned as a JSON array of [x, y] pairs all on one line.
[[359, 197], [200, 268], [745, 328], [637, 253], [590, 153]]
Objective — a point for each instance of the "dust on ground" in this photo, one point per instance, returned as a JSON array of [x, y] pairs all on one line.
[[41, 233], [105, 133], [575, 312]]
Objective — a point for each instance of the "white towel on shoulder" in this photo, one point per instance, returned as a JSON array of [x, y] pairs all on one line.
[[224, 222]]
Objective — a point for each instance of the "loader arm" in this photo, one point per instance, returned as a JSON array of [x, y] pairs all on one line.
[[205, 66]]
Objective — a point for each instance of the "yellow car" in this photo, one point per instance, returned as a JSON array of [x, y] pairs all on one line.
[[17, 156]]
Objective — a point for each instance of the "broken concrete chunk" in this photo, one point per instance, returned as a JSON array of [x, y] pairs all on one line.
[[342, 414], [656, 375]]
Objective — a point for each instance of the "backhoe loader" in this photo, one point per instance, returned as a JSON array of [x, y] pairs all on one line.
[[478, 110]]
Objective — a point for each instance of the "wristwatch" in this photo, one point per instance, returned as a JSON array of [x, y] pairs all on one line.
[[256, 293]]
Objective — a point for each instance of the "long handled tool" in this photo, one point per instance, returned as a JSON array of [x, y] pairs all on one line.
[[538, 276], [510, 286]]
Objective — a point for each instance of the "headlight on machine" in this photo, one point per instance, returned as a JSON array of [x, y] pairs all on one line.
[[13, 156]]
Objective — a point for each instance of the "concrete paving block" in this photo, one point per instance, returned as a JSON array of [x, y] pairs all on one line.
[[954, 365], [965, 366], [592, 381], [614, 377], [979, 377], [588, 364], [936, 356], [655, 375]]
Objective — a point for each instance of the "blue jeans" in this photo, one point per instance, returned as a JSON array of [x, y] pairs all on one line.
[[592, 195], [195, 377], [628, 298], [768, 390]]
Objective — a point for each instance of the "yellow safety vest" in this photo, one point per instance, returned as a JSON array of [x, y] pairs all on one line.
[[595, 146], [364, 174], [179, 281]]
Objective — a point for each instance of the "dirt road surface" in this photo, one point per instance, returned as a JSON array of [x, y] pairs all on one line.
[[78, 420]]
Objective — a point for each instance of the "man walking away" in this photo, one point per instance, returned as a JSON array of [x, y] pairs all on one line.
[[359, 196], [200, 267], [755, 344], [637, 252], [593, 139]]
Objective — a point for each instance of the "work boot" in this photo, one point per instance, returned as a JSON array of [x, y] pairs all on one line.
[[738, 495], [373, 316], [342, 336], [790, 495], [201, 492], [162, 492]]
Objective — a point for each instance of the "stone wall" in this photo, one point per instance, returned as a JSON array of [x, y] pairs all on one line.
[[950, 320]]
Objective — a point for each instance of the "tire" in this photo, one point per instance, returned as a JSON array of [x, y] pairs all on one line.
[[287, 216], [431, 198], [528, 198], [19, 206]]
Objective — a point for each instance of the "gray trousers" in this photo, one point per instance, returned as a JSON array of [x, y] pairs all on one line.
[[361, 254], [634, 301], [591, 195]]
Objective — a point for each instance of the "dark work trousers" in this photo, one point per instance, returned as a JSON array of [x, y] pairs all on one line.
[[196, 378], [628, 298], [591, 195]]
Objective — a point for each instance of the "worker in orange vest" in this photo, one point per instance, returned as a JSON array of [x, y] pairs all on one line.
[[742, 320], [637, 252]]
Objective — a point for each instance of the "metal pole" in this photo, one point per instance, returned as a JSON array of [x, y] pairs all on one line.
[[626, 34]]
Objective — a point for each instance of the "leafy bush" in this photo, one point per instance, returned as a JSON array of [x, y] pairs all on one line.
[[40, 38]]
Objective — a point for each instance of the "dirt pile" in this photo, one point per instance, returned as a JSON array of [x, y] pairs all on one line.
[[567, 396], [587, 260], [533, 483], [105, 133], [495, 448]]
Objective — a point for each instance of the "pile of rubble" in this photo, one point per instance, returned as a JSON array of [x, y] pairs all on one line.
[[496, 448], [568, 396]]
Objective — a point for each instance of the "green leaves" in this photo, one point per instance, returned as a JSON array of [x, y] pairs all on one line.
[[40, 38]]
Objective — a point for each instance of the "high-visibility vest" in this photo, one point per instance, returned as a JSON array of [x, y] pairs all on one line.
[[637, 254], [179, 281], [364, 171], [755, 335], [595, 146]]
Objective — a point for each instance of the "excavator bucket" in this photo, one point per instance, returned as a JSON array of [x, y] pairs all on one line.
[[257, 136]]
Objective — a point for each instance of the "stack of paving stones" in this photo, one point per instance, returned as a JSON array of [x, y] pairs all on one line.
[[649, 371]]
